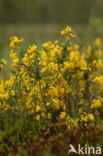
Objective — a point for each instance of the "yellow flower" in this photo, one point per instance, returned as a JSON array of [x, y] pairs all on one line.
[[62, 115], [12, 92], [91, 117], [43, 70], [66, 30], [98, 43], [7, 107], [3, 61], [1, 67], [38, 108], [68, 33], [42, 114], [15, 42], [84, 118], [96, 104], [37, 117], [99, 80], [48, 104], [56, 105], [13, 55], [49, 115], [32, 51], [69, 127]]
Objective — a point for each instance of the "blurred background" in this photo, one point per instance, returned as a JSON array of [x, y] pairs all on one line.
[[38, 21]]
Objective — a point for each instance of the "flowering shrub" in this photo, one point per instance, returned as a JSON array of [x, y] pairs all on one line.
[[59, 82]]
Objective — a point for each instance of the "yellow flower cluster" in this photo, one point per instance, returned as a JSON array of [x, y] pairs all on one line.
[[96, 103], [67, 32], [59, 81], [2, 62]]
